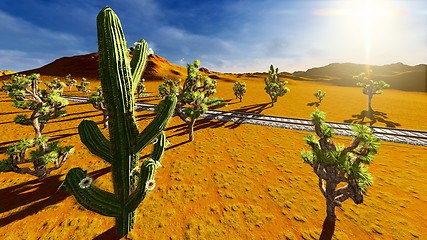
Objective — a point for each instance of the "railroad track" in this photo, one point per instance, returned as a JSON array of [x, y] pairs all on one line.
[[413, 137]]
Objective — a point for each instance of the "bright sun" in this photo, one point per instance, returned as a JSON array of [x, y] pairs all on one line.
[[371, 14], [371, 17]]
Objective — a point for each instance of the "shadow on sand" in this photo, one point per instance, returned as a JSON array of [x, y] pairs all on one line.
[[316, 104], [327, 230], [254, 108], [372, 117], [182, 129], [36, 194], [110, 234]]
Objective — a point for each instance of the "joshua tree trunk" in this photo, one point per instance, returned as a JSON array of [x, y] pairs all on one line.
[[327, 230], [36, 126], [330, 201], [370, 103], [191, 129], [35, 120]]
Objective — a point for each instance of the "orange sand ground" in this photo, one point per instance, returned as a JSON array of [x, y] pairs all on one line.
[[234, 181]]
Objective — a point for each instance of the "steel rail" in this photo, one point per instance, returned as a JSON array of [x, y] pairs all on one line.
[[407, 136]]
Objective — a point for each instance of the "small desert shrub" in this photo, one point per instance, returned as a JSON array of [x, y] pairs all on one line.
[[319, 95], [273, 86], [239, 89]]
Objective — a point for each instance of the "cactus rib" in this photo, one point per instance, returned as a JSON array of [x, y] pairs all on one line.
[[148, 169], [159, 148], [94, 140], [164, 112], [138, 62]]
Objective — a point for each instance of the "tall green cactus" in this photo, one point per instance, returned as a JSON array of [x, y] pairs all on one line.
[[122, 150]]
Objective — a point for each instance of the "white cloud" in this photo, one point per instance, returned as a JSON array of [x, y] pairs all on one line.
[[15, 60], [14, 27], [26, 46], [189, 45]]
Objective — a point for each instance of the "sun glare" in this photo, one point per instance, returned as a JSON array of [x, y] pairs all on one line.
[[373, 20], [369, 15]]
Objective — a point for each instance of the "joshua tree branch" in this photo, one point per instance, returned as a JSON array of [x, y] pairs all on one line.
[[322, 187], [341, 194]]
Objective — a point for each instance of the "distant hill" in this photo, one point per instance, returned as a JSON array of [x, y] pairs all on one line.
[[398, 75], [78, 66], [6, 72], [87, 66]]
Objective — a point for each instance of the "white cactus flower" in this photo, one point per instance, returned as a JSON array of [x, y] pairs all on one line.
[[150, 185], [150, 51], [85, 182], [158, 164]]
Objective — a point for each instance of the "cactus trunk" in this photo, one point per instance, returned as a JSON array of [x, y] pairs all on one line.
[[122, 150]]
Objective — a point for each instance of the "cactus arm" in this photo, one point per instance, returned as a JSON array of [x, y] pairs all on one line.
[[92, 198], [138, 62], [159, 147], [147, 172], [94, 140], [165, 111], [148, 169]]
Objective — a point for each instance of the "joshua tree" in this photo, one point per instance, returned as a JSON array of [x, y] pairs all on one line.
[[319, 95], [41, 157], [70, 82], [273, 86], [335, 164], [239, 89], [131, 181], [5, 86], [140, 88], [55, 85], [193, 97], [370, 87], [84, 86], [98, 102], [27, 95]]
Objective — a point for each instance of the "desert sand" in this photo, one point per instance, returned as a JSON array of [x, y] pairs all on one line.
[[235, 181]]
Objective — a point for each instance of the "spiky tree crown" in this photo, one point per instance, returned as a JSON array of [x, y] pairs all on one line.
[[273, 86], [239, 89], [350, 162], [27, 95], [319, 95], [195, 92], [370, 87]]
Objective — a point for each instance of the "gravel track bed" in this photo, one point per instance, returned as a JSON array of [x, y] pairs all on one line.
[[412, 137]]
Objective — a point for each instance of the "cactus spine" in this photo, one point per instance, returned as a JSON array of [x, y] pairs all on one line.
[[122, 150]]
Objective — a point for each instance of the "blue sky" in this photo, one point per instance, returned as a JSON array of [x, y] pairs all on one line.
[[226, 35]]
